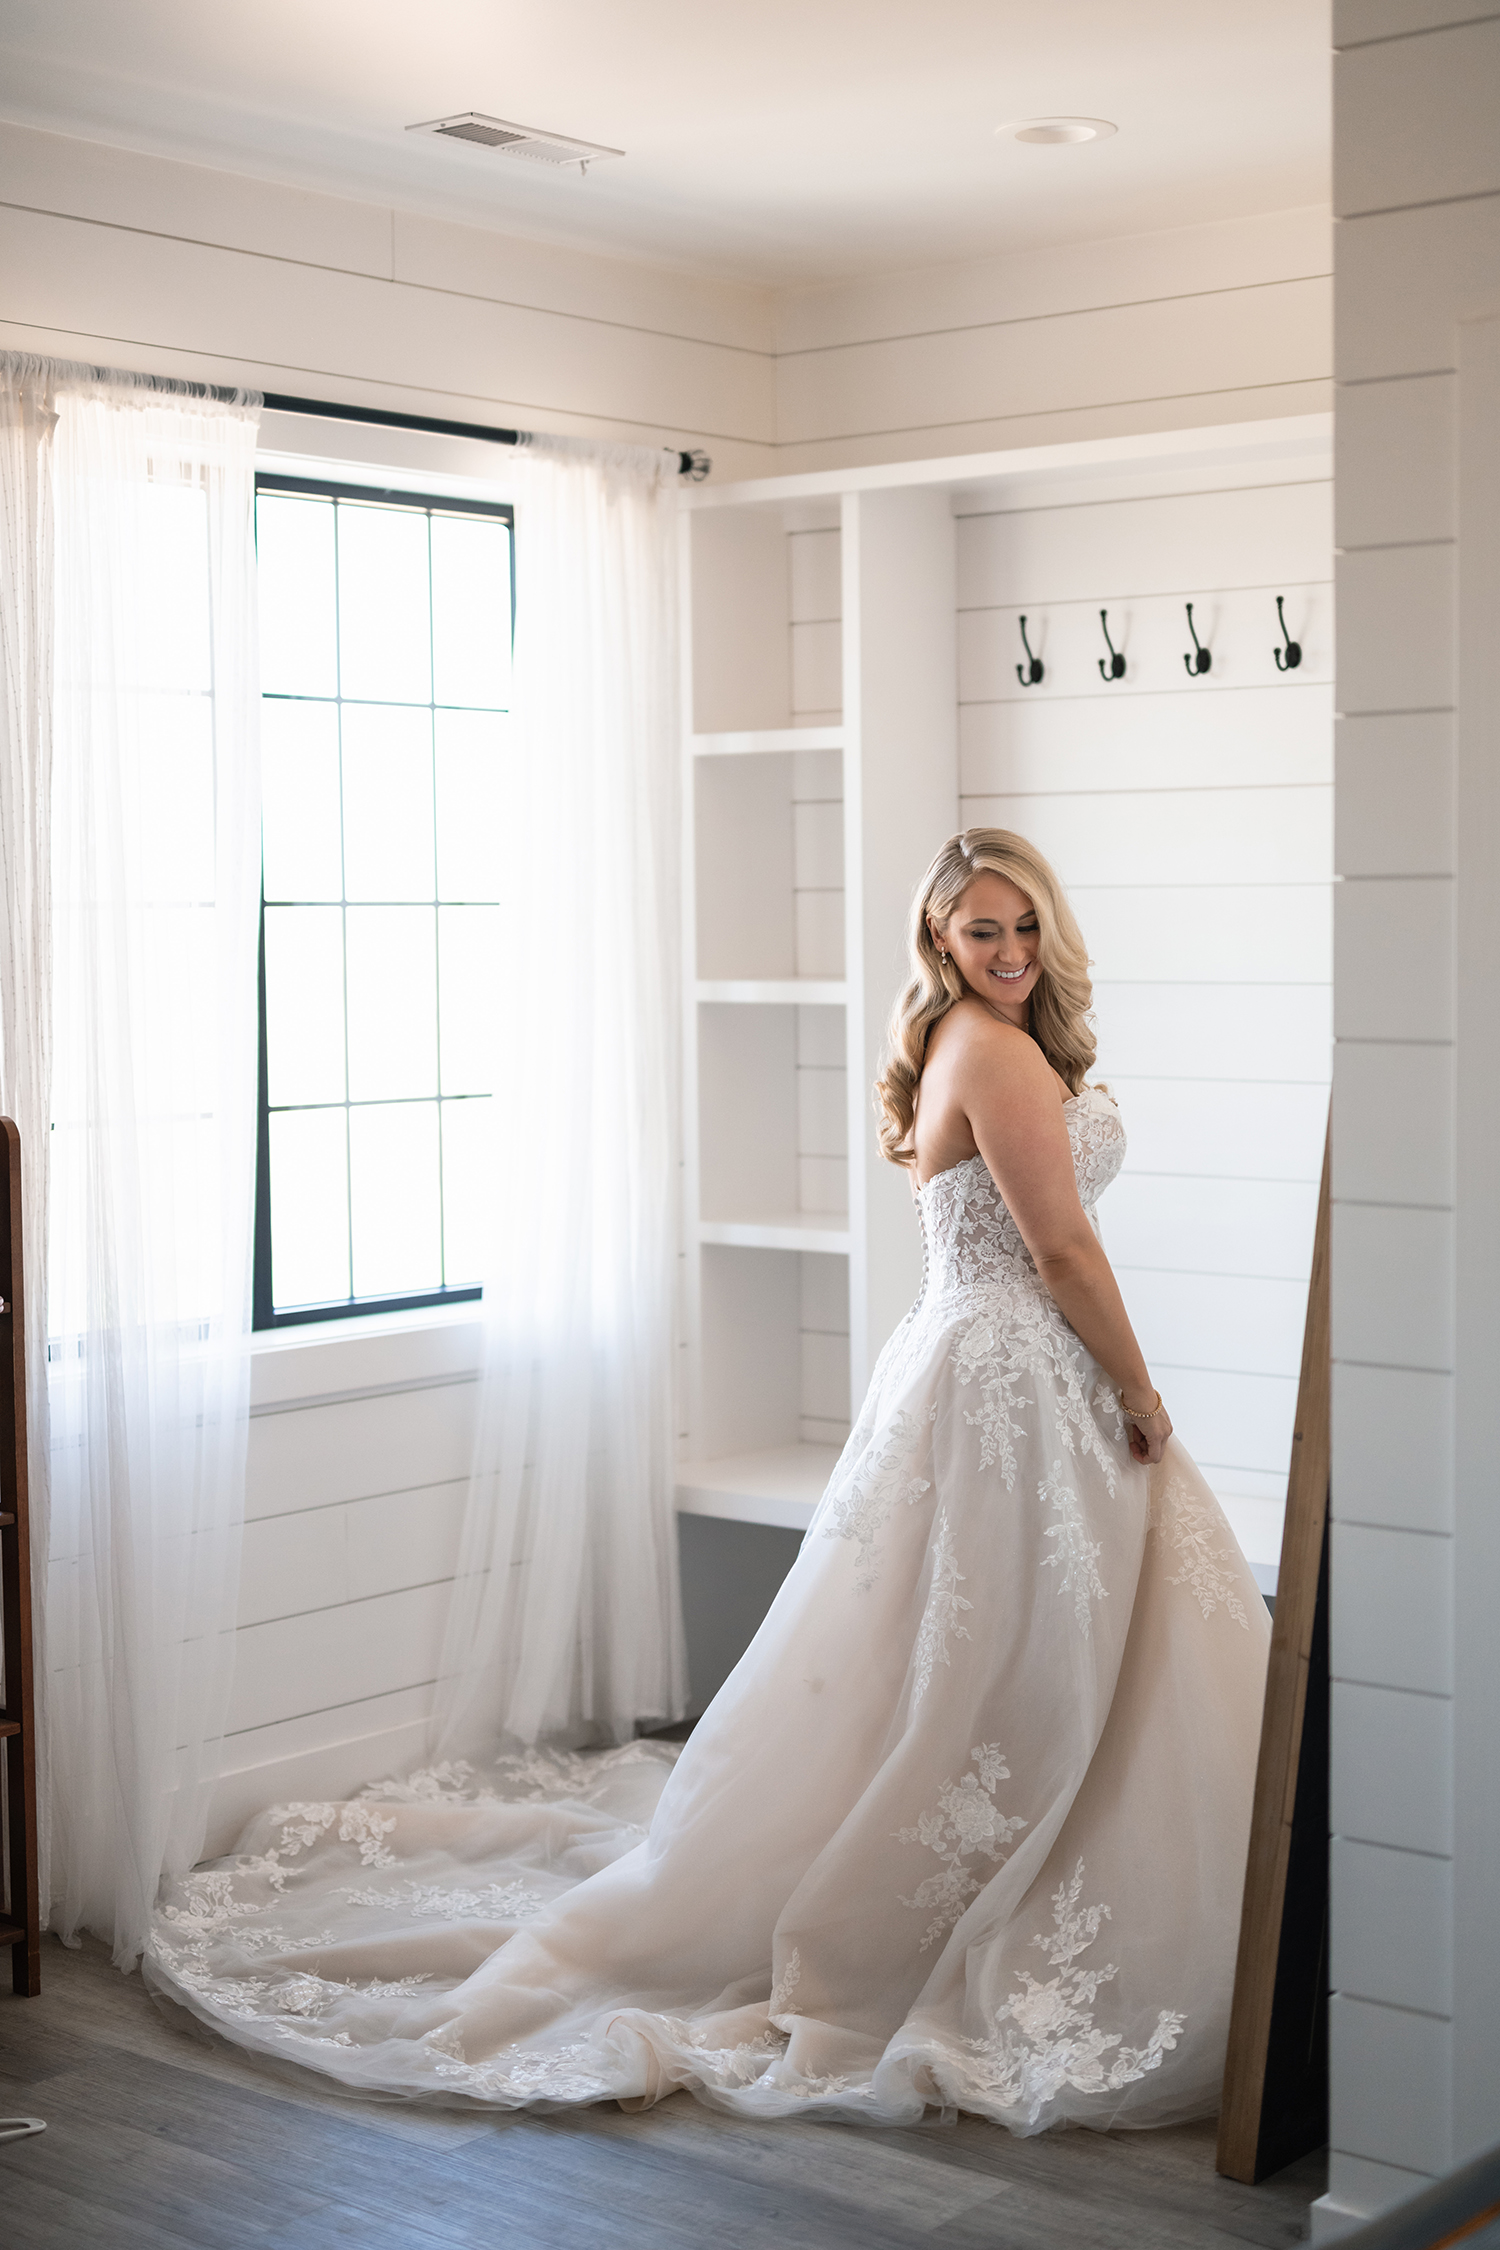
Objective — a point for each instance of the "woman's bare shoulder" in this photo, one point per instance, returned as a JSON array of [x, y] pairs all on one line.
[[979, 1044]]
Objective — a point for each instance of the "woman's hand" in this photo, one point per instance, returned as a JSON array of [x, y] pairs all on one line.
[[1148, 1440]]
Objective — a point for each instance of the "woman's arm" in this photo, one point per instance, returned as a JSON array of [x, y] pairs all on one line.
[[1010, 1095]]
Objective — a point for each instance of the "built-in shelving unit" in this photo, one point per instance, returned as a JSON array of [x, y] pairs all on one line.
[[841, 630], [820, 754]]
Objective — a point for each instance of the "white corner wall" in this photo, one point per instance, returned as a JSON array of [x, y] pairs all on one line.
[[1415, 2019]]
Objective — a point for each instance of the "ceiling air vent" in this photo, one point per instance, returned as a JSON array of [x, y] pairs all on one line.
[[516, 140]]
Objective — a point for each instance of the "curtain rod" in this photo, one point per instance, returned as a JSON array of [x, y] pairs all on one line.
[[694, 464]]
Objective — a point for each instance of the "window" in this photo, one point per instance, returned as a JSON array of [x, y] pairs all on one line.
[[385, 668]]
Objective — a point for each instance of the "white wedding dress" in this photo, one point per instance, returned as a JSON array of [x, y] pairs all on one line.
[[966, 1827]]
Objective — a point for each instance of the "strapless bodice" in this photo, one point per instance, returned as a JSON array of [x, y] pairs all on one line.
[[970, 1238]]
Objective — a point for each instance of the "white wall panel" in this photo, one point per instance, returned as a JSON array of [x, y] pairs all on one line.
[[1157, 544], [1194, 836], [362, 1649], [310, 1457], [1391, 1926], [1393, 1124], [1218, 1030], [1394, 803], [1121, 353], [1176, 1226], [1232, 1422], [1405, 281], [1035, 743], [1417, 120], [1392, 1768], [816, 576], [1393, 952], [120, 188], [1356, 22], [1396, 638], [440, 255], [817, 682], [1033, 284], [1408, 426], [1392, 1609], [1204, 1320], [1275, 933], [1389, 2074], [109, 282], [1393, 1447], [1219, 1130], [1393, 1286]]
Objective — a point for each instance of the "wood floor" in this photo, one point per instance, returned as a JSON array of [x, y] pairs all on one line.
[[157, 2139]]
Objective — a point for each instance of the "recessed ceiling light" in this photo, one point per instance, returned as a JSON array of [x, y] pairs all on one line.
[[1056, 129]]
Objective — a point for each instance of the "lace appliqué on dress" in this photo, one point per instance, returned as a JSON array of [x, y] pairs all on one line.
[[1075, 1556], [1183, 1520], [781, 2001], [491, 1902], [882, 1478], [966, 1821], [1045, 2037], [940, 1617]]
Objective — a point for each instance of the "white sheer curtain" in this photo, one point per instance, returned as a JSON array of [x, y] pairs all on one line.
[[565, 1622], [27, 419], [154, 854]]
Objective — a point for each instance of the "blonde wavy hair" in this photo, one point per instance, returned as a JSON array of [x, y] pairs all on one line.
[[1060, 999]]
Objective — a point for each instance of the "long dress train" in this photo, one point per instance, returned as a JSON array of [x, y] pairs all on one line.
[[966, 1826]]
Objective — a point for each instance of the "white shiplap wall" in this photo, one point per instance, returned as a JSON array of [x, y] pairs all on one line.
[[1191, 821], [359, 1457], [1415, 2051]]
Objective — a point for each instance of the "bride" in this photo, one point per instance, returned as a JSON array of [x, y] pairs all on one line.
[[967, 1825]]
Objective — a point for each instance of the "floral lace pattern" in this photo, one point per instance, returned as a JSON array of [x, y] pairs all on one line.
[[782, 2003], [489, 1902], [945, 1604], [1183, 1521], [967, 1821], [1075, 1557], [1045, 2037], [859, 1510]]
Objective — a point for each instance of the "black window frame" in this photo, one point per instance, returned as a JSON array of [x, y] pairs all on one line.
[[263, 1313]]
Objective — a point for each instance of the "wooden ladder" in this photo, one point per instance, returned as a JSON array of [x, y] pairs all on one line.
[[20, 1918]]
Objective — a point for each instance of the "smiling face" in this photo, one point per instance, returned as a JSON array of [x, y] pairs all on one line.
[[993, 937]]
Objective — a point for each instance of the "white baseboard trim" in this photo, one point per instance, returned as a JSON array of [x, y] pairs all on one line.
[[336, 1770]]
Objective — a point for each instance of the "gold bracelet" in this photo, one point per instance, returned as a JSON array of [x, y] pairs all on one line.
[[1132, 1415]]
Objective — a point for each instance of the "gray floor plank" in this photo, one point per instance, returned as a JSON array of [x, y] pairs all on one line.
[[161, 2138]]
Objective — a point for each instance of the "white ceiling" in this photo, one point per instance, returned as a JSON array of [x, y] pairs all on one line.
[[771, 140]]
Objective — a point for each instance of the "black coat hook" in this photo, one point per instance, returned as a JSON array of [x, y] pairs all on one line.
[[1202, 658], [1115, 669], [1288, 658], [1033, 671]]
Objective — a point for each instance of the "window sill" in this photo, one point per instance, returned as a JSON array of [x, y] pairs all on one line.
[[344, 1359]]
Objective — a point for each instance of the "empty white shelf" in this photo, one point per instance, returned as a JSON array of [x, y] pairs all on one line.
[[781, 1486], [789, 1230], [804, 992], [768, 738]]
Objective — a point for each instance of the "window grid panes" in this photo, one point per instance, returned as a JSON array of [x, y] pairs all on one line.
[[385, 671]]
